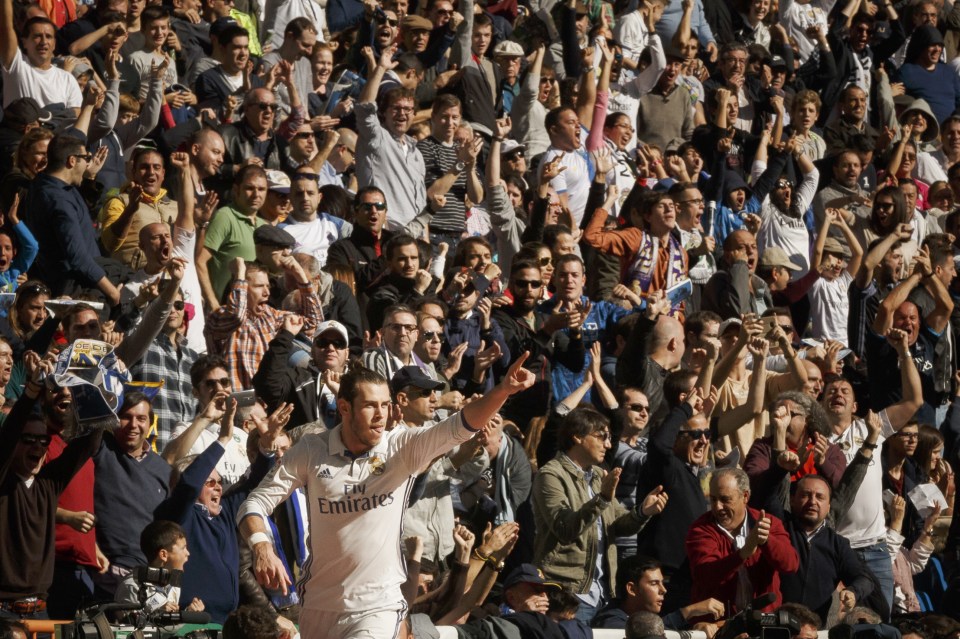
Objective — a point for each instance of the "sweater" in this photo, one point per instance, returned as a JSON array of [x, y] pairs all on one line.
[[126, 492], [213, 572], [28, 511], [715, 562]]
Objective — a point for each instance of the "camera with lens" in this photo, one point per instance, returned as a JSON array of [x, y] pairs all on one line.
[[761, 625]]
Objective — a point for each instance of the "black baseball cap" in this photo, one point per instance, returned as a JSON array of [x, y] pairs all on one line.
[[527, 574], [24, 111], [412, 376]]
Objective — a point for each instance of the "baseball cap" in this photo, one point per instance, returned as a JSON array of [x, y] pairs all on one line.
[[527, 574], [727, 323], [412, 376], [776, 256], [332, 325], [833, 245], [278, 181], [508, 48], [509, 146], [415, 23], [222, 24], [24, 111], [776, 62], [269, 235]]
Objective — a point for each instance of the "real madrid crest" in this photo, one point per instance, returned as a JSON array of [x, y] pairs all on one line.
[[376, 465]]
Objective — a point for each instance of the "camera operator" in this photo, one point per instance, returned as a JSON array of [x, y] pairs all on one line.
[[164, 544], [731, 544]]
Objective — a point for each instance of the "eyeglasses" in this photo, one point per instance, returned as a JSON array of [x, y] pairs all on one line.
[[403, 328], [32, 440], [738, 61], [603, 435], [697, 434], [639, 408], [910, 436], [373, 206], [265, 106], [178, 305], [528, 283], [210, 483], [322, 343], [625, 125], [223, 382], [86, 157], [433, 336], [698, 201], [402, 109]]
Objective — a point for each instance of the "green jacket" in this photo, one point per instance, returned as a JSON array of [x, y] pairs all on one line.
[[565, 545]]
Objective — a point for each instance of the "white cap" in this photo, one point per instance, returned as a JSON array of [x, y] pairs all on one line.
[[332, 325]]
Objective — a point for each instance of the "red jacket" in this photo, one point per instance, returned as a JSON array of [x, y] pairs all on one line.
[[714, 561]]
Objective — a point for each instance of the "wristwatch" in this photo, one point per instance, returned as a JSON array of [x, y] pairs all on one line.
[[460, 166]]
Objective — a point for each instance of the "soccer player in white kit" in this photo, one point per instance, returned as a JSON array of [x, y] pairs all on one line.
[[357, 478]]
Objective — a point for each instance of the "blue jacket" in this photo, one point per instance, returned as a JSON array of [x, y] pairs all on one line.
[[59, 219], [26, 253], [598, 327], [213, 570], [456, 332]]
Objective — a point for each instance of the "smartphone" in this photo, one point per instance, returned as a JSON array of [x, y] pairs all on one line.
[[769, 324], [245, 398]]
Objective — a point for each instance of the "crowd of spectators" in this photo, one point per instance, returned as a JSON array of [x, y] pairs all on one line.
[[526, 317]]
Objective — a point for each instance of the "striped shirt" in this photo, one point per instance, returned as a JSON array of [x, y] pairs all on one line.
[[440, 159]]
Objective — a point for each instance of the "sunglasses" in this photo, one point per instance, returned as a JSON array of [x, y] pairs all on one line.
[[214, 383], [783, 184], [338, 344], [178, 305], [639, 408], [371, 206], [528, 283], [34, 289], [382, 19], [545, 261], [303, 136], [403, 328], [444, 12], [432, 336], [697, 434], [31, 440], [210, 483], [266, 106], [413, 392]]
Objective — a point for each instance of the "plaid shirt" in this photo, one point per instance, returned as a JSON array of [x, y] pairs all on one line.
[[243, 338], [163, 362]]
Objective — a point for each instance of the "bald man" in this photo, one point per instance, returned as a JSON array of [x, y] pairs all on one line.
[[341, 159], [655, 347]]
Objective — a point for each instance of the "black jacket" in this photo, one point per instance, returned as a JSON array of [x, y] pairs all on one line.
[[276, 381], [825, 561], [389, 291], [361, 252], [544, 349]]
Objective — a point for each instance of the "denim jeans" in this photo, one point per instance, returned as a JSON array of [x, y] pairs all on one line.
[[586, 612], [877, 559]]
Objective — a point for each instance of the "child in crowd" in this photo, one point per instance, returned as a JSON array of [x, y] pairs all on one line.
[[165, 545]]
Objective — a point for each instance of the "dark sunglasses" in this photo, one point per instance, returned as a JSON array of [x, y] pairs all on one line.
[[696, 434], [303, 136], [178, 305], [639, 408], [30, 440], [383, 19], [429, 336], [214, 383], [412, 392], [265, 106], [33, 289], [338, 344], [528, 283], [545, 261], [369, 206]]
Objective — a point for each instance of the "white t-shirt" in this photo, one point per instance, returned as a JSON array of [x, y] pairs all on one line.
[[863, 523], [49, 86], [796, 19], [316, 237], [234, 462], [830, 307], [575, 181]]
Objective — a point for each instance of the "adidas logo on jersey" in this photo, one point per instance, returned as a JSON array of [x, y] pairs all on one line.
[[325, 474]]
